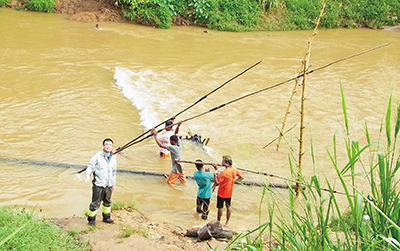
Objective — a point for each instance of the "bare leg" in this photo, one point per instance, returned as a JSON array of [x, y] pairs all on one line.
[[228, 215], [219, 214]]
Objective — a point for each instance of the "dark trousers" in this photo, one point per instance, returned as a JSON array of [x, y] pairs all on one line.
[[202, 205], [100, 194]]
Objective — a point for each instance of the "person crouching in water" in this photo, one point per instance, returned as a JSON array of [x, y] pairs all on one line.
[[225, 180], [175, 149], [103, 166], [203, 180]]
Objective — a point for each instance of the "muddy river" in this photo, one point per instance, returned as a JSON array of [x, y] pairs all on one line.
[[65, 86]]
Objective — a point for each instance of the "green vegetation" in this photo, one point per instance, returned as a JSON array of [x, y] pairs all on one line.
[[317, 223], [252, 15], [127, 231], [121, 205], [41, 5], [20, 230], [4, 2]]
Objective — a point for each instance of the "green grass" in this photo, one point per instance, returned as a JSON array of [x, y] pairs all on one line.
[[127, 231], [317, 222], [20, 230], [122, 205]]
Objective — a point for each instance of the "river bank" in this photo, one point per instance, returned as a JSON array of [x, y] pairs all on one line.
[[143, 233], [239, 15]]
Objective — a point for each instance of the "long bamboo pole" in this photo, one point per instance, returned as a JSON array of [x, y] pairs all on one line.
[[261, 173], [306, 64], [302, 67], [268, 88], [187, 108], [264, 89]]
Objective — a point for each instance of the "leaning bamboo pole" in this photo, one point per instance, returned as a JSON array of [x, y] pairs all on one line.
[[306, 64], [299, 79]]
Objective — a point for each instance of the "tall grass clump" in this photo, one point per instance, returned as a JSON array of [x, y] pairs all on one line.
[[384, 201], [41, 5], [20, 230], [376, 213], [369, 220]]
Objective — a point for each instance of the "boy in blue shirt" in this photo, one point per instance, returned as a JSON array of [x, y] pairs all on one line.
[[203, 180]]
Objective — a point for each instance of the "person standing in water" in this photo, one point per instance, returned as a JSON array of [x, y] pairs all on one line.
[[163, 139], [103, 166], [225, 181], [175, 148], [204, 179]]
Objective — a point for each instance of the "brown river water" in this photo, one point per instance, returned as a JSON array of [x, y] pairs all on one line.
[[65, 86]]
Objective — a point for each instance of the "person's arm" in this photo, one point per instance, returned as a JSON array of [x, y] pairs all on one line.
[[216, 180], [177, 127], [239, 177], [159, 143], [90, 168]]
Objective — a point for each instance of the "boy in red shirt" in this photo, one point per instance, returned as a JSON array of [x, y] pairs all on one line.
[[226, 179]]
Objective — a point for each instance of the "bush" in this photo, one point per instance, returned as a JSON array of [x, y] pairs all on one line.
[[250, 15], [41, 5], [4, 2], [154, 12], [229, 15]]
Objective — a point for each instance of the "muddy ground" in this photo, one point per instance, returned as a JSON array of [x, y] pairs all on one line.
[[147, 235]]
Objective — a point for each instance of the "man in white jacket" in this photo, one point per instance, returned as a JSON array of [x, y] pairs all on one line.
[[103, 166]]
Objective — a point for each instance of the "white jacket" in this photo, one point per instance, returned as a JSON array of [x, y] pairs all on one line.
[[104, 171]]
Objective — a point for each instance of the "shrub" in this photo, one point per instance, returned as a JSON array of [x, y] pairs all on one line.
[[154, 12], [235, 15], [4, 2], [41, 5]]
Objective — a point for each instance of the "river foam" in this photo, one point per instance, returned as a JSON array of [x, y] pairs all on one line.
[[154, 103]]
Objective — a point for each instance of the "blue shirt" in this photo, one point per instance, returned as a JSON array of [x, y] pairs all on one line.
[[203, 180]]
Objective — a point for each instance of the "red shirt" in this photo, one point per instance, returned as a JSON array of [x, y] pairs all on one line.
[[227, 179]]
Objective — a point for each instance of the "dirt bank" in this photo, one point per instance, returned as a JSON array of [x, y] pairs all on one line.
[[147, 235], [89, 10]]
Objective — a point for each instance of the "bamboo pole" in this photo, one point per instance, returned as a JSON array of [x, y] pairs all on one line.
[[280, 133], [297, 80], [306, 64], [261, 173], [132, 142], [259, 91]]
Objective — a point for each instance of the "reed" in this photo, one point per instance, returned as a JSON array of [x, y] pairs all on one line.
[[372, 221]]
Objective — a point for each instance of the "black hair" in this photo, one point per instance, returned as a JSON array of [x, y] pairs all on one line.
[[107, 139], [198, 165], [174, 138], [168, 123], [227, 159]]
